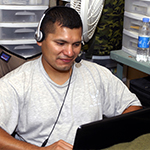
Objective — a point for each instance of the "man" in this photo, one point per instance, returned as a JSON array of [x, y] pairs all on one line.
[[48, 98]]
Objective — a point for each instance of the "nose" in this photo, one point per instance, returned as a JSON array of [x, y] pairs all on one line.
[[69, 50]]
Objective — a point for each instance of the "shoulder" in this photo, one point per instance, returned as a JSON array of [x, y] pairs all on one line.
[[23, 71], [94, 68], [99, 73]]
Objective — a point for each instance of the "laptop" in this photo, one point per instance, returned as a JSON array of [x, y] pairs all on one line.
[[105, 133]]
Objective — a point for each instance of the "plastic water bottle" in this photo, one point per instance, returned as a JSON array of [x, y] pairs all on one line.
[[143, 42]]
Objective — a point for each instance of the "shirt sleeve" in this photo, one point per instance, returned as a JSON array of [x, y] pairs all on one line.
[[8, 107], [117, 96]]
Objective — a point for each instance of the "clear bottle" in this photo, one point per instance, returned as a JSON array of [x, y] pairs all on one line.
[[143, 42]]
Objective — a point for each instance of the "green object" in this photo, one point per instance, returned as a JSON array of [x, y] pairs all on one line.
[[108, 34], [140, 143]]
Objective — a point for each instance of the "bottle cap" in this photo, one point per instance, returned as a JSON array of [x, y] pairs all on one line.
[[145, 19]]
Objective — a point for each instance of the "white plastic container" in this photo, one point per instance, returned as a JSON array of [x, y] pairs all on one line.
[[133, 21], [17, 30], [23, 48], [138, 6], [66, 0], [24, 2], [130, 40], [13, 14], [129, 51]]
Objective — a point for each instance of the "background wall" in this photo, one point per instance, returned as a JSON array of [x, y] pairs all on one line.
[[52, 2]]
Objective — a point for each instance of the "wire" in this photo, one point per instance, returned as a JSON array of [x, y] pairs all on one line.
[[45, 142]]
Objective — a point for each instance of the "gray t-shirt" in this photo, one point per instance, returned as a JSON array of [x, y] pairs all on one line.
[[30, 101]]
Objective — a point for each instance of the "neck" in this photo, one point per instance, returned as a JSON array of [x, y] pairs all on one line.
[[59, 77]]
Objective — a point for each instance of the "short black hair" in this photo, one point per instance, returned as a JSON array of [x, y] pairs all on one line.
[[64, 16]]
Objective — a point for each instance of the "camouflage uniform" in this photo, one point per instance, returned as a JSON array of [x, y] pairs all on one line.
[[108, 35]]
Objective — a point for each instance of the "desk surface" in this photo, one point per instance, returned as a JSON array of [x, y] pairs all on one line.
[[129, 60]]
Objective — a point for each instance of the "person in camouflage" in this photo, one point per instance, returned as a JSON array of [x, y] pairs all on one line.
[[108, 34]]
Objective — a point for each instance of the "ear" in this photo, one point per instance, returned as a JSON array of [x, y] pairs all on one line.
[[39, 43]]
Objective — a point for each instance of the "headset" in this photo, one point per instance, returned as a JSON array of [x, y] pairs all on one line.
[[59, 113], [39, 35]]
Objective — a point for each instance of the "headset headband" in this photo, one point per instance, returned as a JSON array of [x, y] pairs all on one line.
[[38, 34]]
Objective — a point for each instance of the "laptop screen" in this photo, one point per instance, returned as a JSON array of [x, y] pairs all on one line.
[[105, 133]]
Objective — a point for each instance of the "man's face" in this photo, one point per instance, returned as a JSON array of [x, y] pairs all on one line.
[[61, 48]]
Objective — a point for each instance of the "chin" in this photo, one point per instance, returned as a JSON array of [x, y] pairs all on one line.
[[65, 68]]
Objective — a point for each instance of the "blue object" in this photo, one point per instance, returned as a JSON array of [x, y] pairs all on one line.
[[145, 19]]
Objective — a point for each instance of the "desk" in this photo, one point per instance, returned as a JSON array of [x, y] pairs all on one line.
[[124, 58]]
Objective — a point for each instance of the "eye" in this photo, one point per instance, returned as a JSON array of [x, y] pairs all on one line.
[[77, 44], [60, 43]]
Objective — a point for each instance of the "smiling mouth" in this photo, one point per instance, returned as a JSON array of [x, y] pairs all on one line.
[[66, 60]]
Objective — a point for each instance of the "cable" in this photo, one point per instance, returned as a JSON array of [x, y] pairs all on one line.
[[45, 142]]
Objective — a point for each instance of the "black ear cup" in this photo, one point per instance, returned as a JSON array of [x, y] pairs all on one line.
[[78, 59]]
